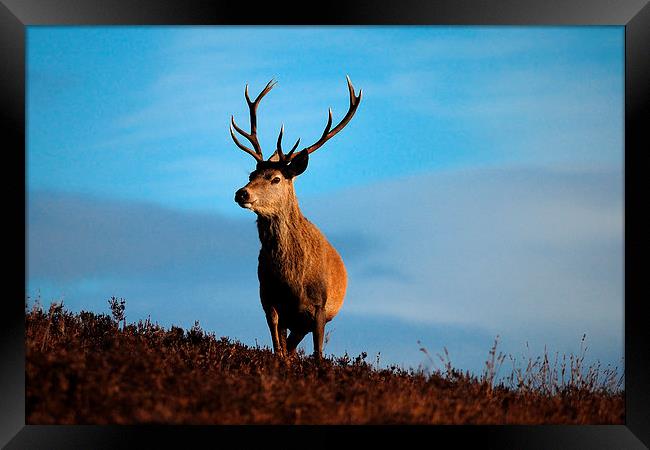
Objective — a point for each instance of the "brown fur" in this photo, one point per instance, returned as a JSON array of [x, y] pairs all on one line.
[[302, 277]]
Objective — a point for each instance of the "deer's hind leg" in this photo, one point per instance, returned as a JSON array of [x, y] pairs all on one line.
[[319, 332], [294, 339]]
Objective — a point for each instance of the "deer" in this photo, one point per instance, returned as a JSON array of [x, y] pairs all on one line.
[[302, 278]]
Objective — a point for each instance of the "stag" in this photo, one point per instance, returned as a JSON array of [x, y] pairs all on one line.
[[301, 275]]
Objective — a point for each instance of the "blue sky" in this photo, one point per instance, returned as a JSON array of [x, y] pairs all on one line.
[[477, 191]]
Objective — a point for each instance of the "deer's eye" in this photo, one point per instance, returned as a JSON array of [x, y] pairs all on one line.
[[275, 180]]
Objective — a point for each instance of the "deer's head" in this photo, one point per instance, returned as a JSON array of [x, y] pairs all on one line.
[[270, 188]]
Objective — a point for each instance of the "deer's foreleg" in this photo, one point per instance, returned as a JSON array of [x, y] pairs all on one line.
[[272, 320], [282, 335]]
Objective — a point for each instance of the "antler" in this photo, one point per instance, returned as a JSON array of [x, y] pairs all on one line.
[[252, 136], [329, 134], [278, 155]]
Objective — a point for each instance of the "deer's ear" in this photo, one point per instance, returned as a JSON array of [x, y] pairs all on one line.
[[298, 164]]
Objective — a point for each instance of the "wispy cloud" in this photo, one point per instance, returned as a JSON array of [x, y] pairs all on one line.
[[477, 190], [508, 245], [433, 97], [510, 252]]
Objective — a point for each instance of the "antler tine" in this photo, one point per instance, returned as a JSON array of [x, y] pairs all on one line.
[[329, 134], [243, 147], [252, 136], [265, 91], [278, 147], [295, 146], [278, 151]]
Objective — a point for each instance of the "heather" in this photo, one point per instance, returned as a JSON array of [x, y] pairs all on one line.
[[89, 368]]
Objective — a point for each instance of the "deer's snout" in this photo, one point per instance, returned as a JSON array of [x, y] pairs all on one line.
[[242, 195], [243, 198]]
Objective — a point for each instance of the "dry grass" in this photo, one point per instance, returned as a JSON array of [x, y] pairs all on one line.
[[96, 369]]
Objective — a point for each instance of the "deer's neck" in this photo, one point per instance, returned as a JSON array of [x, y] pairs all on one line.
[[283, 235]]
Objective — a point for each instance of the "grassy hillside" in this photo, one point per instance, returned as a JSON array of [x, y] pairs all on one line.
[[95, 369]]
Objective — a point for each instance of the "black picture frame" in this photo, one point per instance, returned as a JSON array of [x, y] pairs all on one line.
[[15, 15]]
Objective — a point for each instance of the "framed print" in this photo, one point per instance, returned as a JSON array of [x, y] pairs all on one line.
[[369, 223]]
